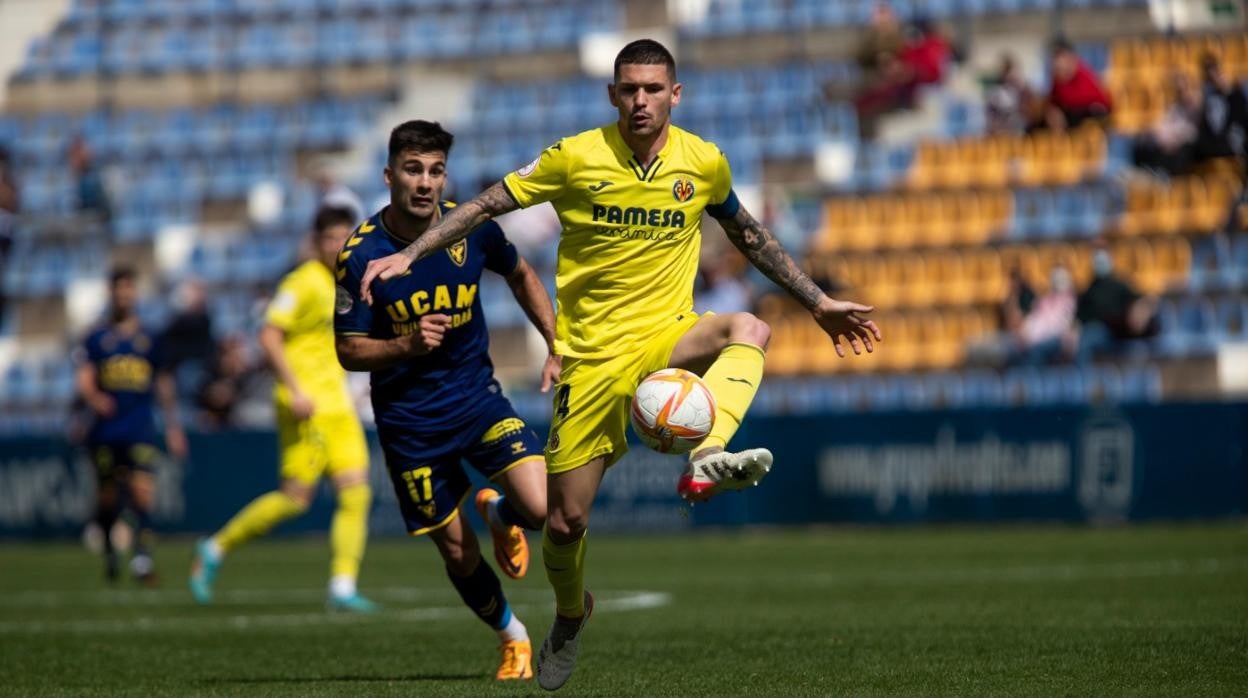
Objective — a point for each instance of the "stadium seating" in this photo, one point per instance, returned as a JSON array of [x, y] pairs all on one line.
[[128, 37], [1140, 72], [732, 17], [927, 230]]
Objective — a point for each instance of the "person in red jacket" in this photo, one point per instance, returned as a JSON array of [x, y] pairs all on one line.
[[1076, 94]]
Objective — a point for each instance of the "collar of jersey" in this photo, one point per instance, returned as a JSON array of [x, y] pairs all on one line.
[[443, 207], [616, 140]]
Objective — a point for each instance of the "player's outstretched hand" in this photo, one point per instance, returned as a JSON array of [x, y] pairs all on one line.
[[843, 320], [551, 370], [382, 269], [429, 337]]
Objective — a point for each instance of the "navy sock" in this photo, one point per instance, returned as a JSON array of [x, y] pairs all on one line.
[[483, 593], [105, 518], [508, 514], [143, 531]]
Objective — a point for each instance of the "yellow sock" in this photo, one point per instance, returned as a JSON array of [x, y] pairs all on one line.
[[257, 519], [565, 568], [733, 380], [349, 530]]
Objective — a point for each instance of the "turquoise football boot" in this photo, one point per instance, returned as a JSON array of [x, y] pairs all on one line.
[[204, 568], [351, 604]]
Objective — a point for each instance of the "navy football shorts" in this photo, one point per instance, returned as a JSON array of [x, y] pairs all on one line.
[[427, 469]]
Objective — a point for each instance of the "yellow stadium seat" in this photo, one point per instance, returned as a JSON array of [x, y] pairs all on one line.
[[985, 271], [1172, 205], [858, 233], [912, 282], [784, 352], [930, 159], [943, 268], [903, 223], [835, 222], [994, 213], [1034, 152], [1140, 204], [935, 221]]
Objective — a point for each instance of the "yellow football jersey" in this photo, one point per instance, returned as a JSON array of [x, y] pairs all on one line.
[[303, 308], [628, 254]]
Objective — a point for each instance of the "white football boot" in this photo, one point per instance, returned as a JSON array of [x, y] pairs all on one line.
[[711, 474], [558, 656]]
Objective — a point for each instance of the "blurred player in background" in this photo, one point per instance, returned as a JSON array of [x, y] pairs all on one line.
[[435, 398], [318, 429], [121, 371], [630, 197]]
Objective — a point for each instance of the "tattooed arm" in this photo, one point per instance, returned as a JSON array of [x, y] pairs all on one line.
[[455, 225], [764, 251], [837, 318]]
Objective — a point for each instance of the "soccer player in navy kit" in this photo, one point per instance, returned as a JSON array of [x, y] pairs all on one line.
[[120, 375], [435, 399]]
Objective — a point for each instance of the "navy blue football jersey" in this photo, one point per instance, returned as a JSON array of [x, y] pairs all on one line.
[[441, 389], [125, 369]]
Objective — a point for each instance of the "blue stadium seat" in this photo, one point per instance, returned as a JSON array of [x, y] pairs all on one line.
[[884, 393], [1239, 258], [1141, 384], [1211, 269], [1231, 319], [1188, 326]]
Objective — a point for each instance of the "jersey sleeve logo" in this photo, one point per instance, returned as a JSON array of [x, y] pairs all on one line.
[[682, 190], [528, 169], [458, 252], [342, 301], [283, 302]]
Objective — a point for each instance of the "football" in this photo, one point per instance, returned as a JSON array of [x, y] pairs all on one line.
[[672, 411]]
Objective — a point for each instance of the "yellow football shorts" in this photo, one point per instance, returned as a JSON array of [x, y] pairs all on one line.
[[327, 443], [592, 399]]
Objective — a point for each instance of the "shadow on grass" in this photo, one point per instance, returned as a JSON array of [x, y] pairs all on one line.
[[345, 678]]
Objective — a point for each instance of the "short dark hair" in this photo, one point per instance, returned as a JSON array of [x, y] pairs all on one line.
[[645, 52], [330, 216], [122, 272], [1061, 45], [420, 136]]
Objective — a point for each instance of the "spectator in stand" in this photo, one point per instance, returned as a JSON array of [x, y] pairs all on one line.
[[881, 43], [722, 290], [1076, 94], [334, 194], [1019, 299], [1111, 312], [1046, 332], [1010, 100], [999, 347], [9, 206], [189, 344], [92, 195], [892, 84], [925, 54], [1168, 147], [226, 385], [1223, 126]]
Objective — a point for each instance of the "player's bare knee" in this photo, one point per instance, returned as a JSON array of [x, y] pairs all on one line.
[[533, 508], [748, 328], [461, 557], [299, 494], [567, 524]]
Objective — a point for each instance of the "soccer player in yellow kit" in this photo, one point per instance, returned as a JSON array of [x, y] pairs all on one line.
[[630, 196], [318, 430]]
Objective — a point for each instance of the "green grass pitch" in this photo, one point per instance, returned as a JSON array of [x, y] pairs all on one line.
[[1150, 610]]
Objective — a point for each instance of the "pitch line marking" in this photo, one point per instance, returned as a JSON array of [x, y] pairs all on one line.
[[625, 602]]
